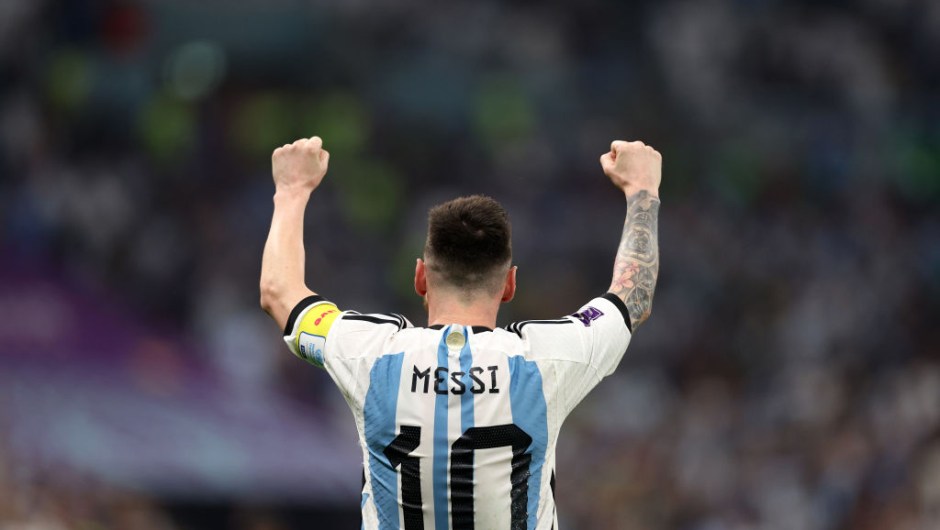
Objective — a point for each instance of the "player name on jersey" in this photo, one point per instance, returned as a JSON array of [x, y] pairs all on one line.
[[454, 382]]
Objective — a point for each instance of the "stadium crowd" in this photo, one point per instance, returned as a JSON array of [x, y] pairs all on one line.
[[789, 377]]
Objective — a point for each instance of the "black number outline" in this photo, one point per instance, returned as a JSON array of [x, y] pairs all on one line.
[[462, 453], [461, 472], [398, 453]]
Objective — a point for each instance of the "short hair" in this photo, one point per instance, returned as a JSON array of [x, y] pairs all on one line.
[[469, 243]]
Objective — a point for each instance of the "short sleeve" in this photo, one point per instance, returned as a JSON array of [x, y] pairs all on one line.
[[583, 347], [606, 324]]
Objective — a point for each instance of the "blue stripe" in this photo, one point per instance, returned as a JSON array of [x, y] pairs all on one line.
[[529, 413], [441, 447], [466, 399], [380, 410], [362, 507]]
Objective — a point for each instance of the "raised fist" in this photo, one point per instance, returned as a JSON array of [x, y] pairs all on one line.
[[300, 165], [633, 167]]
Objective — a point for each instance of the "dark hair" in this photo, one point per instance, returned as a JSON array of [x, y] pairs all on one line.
[[469, 242]]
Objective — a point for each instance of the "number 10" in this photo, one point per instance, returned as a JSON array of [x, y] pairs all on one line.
[[461, 472]]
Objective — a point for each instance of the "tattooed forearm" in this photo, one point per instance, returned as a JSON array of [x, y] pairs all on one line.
[[637, 265]]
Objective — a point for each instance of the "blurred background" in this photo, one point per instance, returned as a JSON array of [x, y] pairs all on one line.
[[789, 377]]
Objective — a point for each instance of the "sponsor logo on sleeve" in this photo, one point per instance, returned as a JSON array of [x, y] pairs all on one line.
[[590, 313]]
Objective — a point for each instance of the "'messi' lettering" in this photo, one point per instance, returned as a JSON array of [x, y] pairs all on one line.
[[441, 381]]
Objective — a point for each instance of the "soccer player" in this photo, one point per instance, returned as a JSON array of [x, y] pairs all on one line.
[[458, 421]]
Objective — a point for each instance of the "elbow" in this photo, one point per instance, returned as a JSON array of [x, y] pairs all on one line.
[[636, 322], [639, 313], [270, 292]]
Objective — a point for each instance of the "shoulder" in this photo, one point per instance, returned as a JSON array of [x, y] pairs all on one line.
[[318, 311], [599, 324], [398, 321], [606, 308], [540, 326]]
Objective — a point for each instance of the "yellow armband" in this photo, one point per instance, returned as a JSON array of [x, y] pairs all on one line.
[[308, 340]]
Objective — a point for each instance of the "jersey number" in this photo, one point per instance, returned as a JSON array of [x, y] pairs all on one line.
[[461, 472]]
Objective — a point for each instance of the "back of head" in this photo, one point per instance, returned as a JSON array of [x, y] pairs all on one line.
[[469, 244]]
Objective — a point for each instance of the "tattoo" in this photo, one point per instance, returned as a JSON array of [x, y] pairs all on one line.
[[637, 265]]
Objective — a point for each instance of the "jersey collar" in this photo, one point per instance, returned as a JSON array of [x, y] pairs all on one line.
[[476, 329]]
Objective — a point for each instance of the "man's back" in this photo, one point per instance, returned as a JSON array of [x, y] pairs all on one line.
[[458, 424]]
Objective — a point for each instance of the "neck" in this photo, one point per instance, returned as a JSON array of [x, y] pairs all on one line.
[[449, 310]]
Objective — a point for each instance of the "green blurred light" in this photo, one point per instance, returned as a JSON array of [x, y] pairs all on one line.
[[341, 120], [504, 113], [195, 69], [167, 127], [263, 123], [69, 79], [918, 170], [371, 193]]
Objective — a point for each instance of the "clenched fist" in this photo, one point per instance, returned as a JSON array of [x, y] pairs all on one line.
[[300, 165], [633, 167]]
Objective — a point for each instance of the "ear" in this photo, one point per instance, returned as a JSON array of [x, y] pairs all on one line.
[[421, 278], [509, 288]]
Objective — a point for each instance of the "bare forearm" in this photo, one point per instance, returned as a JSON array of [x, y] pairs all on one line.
[[636, 266], [282, 266]]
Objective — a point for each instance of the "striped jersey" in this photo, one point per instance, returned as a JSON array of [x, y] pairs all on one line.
[[458, 424]]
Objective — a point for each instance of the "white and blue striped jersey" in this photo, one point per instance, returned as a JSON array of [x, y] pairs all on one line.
[[458, 425]]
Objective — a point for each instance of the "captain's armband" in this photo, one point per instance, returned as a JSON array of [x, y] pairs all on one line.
[[308, 326]]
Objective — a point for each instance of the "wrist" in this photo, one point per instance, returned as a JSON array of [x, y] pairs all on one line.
[[634, 192], [292, 193]]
